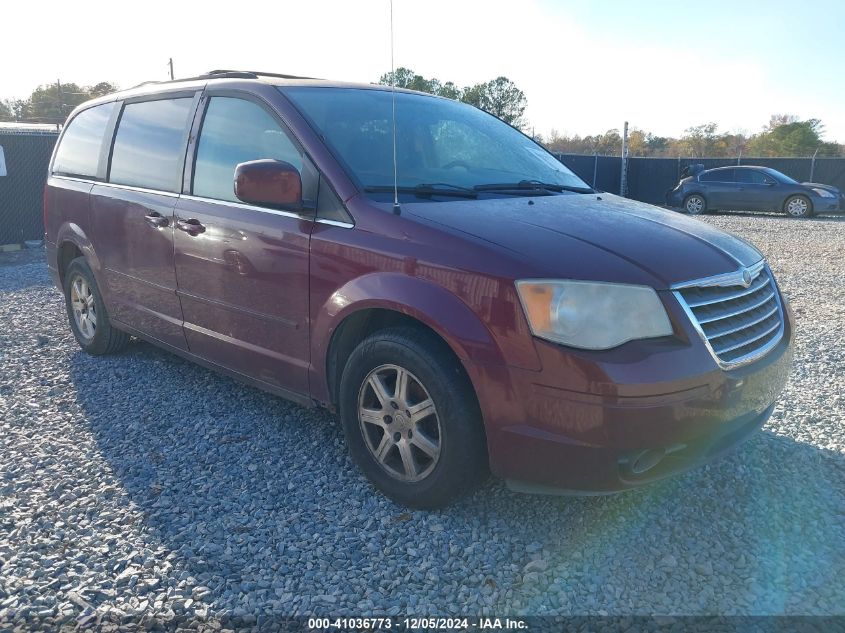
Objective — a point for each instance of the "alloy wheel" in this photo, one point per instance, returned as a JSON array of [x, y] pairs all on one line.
[[399, 423], [695, 204], [84, 308], [797, 207]]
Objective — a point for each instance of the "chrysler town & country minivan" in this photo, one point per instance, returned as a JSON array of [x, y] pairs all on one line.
[[462, 300]]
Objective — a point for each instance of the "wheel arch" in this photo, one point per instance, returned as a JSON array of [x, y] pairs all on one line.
[[381, 300], [72, 242]]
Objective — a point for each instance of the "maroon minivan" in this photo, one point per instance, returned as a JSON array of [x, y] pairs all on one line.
[[462, 300]]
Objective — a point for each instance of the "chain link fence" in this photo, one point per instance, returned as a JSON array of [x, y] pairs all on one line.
[[24, 156]]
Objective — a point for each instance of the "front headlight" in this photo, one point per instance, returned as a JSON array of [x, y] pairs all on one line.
[[824, 193], [592, 315]]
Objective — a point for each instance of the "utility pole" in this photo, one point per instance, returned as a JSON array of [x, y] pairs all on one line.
[[623, 183], [59, 97], [171, 69]]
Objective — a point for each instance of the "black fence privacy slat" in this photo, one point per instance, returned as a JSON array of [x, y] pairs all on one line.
[[650, 178], [26, 156], [27, 153]]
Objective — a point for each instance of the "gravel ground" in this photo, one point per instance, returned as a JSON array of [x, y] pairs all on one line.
[[141, 487]]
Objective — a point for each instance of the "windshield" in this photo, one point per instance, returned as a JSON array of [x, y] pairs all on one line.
[[439, 142]]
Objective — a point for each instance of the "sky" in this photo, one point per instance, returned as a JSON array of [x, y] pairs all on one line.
[[585, 66]]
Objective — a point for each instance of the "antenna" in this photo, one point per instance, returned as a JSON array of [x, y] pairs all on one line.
[[396, 208]]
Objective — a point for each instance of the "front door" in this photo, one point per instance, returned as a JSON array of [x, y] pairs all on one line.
[[132, 217], [242, 270], [754, 190]]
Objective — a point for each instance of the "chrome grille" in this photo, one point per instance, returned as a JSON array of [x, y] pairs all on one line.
[[739, 321]]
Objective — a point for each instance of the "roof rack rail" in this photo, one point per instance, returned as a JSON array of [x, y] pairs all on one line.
[[249, 74], [224, 74]]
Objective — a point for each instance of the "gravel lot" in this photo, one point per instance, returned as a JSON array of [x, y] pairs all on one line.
[[141, 487]]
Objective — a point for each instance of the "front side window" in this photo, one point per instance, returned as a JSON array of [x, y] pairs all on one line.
[[781, 177], [438, 141], [237, 131], [79, 152], [750, 176], [149, 148]]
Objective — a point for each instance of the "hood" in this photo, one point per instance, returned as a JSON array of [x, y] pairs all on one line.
[[594, 237], [818, 185]]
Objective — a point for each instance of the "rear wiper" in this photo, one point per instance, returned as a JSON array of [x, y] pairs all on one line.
[[530, 185], [426, 190]]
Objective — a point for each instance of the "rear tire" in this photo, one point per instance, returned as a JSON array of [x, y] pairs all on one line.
[[695, 204], [437, 453], [798, 206], [89, 320]]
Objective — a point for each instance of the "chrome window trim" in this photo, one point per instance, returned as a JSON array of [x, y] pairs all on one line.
[[249, 207], [113, 185], [240, 205], [729, 279], [337, 223]]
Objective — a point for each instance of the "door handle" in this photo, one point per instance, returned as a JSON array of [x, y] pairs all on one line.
[[191, 226], [156, 220]]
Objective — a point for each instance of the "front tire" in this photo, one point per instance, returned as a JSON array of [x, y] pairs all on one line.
[[798, 206], [411, 418], [89, 320], [695, 204]]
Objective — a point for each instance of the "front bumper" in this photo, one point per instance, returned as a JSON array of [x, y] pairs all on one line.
[[597, 422], [828, 205]]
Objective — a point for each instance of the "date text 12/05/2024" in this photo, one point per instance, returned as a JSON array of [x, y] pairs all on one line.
[[415, 624]]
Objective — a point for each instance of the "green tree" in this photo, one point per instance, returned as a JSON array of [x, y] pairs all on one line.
[[51, 103], [701, 140], [6, 112], [407, 78], [785, 135], [500, 97]]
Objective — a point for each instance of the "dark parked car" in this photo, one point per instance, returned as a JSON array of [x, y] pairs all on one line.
[[502, 316], [749, 188]]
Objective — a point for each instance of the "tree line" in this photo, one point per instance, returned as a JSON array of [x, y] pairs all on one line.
[[500, 96], [783, 135], [52, 103]]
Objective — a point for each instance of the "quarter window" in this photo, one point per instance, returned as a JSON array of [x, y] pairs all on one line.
[[236, 131], [79, 152], [149, 148]]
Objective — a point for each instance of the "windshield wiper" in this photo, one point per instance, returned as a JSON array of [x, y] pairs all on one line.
[[530, 185], [426, 190]]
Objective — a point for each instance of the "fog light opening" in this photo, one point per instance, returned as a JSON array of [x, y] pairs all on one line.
[[647, 460]]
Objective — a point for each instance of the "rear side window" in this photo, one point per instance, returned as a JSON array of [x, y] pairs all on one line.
[[79, 152], [236, 131], [719, 175], [149, 147]]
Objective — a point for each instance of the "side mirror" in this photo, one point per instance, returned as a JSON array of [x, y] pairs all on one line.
[[270, 183]]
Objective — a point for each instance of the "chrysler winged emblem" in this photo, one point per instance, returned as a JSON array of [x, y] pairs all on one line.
[[746, 277]]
